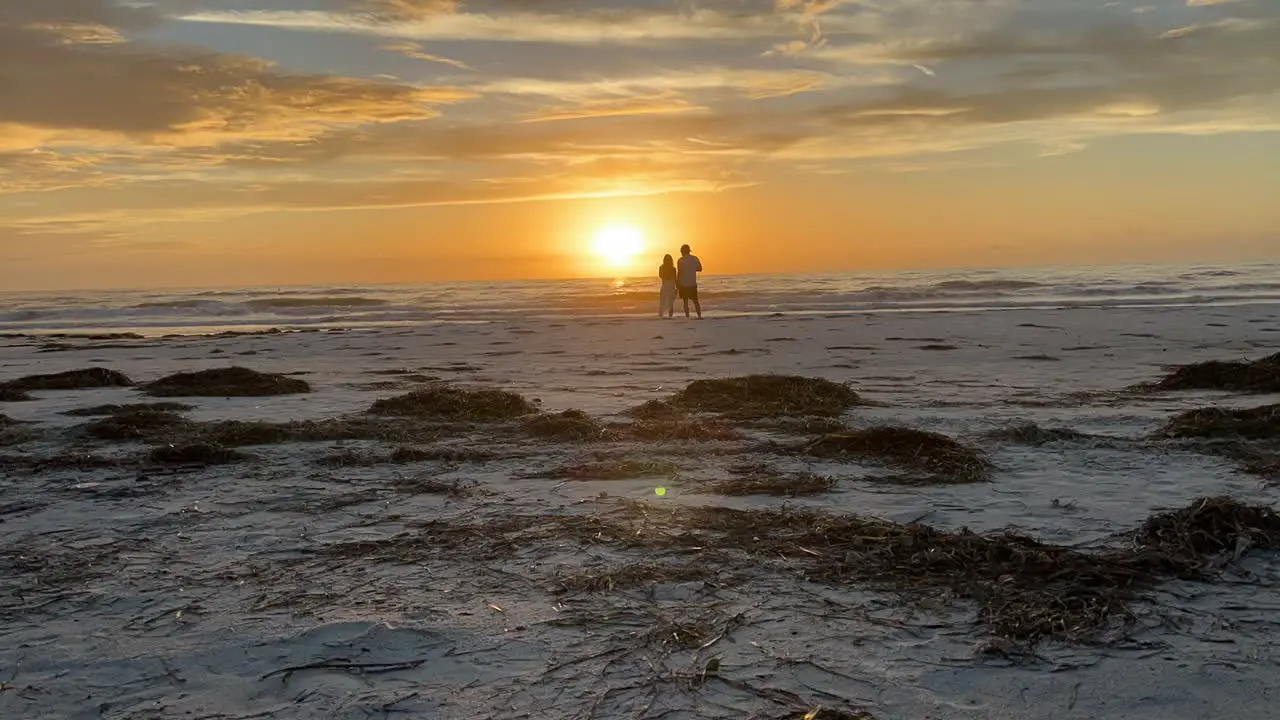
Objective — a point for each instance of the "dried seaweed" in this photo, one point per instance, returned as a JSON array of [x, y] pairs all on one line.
[[450, 403], [195, 454], [138, 425], [945, 459], [95, 377], [633, 575], [767, 396], [568, 426], [765, 479], [1026, 590], [226, 382], [108, 410], [11, 395], [1256, 423], [1257, 376]]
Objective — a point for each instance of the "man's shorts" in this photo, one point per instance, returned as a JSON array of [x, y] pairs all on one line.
[[689, 293]]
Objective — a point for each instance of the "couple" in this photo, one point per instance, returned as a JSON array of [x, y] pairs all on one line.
[[682, 278]]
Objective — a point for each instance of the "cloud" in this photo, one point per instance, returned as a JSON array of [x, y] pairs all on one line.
[[415, 52], [70, 73], [613, 108], [681, 100], [402, 10], [594, 26]]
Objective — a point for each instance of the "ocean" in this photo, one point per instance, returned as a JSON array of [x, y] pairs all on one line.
[[247, 309]]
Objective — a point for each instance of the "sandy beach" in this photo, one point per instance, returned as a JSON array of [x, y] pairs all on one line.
[[509, 561]]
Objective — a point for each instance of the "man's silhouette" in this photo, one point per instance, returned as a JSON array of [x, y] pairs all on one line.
[[687, 269]]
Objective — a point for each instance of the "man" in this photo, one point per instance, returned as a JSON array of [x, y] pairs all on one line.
[[687, 269]]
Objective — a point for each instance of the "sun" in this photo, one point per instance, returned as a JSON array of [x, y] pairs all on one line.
[[618, 245]]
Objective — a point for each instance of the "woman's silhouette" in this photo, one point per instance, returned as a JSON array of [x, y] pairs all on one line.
[[667, 298]]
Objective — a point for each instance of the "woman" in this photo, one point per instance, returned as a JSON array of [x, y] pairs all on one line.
[[667, 298]]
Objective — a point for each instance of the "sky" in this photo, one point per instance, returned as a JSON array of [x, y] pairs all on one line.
[[175, 143]]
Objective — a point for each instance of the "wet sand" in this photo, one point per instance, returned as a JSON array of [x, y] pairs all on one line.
[[321, 579]]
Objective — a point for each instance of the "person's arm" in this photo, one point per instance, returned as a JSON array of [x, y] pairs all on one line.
[[700, 265]]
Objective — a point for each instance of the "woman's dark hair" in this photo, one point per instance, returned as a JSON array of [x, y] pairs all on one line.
[[668, 260]]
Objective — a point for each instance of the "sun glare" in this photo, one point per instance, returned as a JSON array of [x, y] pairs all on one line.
[[618, 245]]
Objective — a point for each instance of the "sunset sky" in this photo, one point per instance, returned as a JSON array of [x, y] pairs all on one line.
[[229, 142]]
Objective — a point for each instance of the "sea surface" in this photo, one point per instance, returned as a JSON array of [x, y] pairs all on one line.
[[152, 312]]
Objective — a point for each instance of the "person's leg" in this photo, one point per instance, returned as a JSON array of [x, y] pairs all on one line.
[[697, 305], [686, 305]]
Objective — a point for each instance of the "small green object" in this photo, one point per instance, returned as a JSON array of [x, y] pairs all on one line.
[[660, 492]]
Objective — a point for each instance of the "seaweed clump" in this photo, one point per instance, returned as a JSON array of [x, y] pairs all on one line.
[[1208, 528], [1026, 590], [95, 377], [226, 382], [1257, 423], [108, 410], [195, 454], [567, 426], [764, 479], [1256, 376], [759, 397], [142, 425], [455, 404], [945, 459], [8, 394]]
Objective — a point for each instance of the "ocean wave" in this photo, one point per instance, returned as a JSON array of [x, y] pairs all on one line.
[[314, 302], [172, 305], [987, 285]]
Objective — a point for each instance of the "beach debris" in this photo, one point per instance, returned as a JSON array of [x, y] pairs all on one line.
[[138, 425], [94, 377], [1027, 590], [107, 410], [457, 404], [232, 381], [567, 426], [195, 454], [1207, 528], [754, 397], [12, 395], [1256, 376], [945, 459], [765, 479], [657, 410], [346, 666], [17, 434], [1256, 423]]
